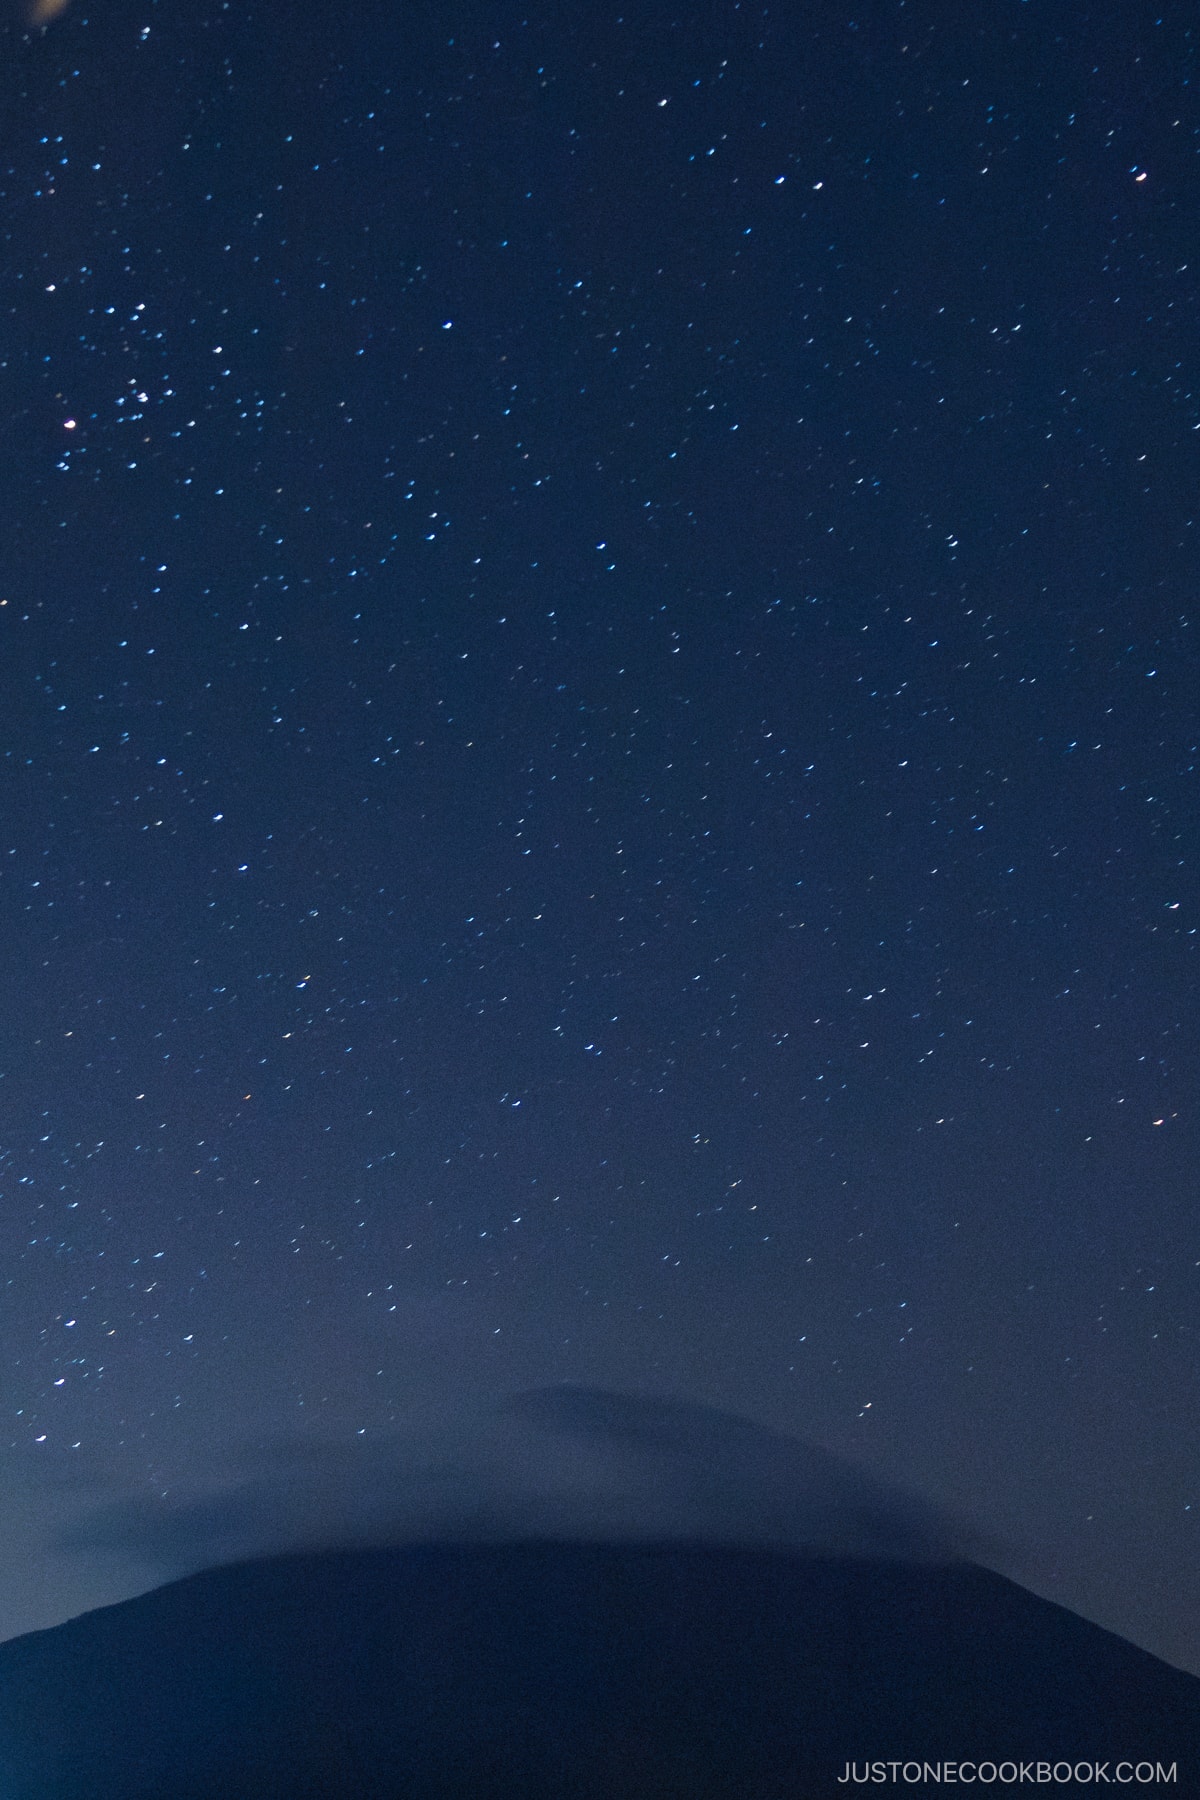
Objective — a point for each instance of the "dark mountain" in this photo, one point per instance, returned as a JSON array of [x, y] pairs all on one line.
[[555, 1671]]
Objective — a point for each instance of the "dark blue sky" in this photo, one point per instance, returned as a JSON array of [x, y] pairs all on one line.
[[599, 748]]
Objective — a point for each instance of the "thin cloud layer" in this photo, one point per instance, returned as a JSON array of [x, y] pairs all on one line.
[[563, 1462]]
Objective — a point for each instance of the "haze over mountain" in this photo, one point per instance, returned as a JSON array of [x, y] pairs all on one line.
[[582, 1593], [569, 1462]]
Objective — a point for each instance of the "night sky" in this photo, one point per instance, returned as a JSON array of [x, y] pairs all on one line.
[[600, 726]]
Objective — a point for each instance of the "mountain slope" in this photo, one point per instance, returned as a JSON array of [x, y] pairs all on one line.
[[571, 1671]]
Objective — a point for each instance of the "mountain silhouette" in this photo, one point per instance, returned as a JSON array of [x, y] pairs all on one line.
[[554, 1670]]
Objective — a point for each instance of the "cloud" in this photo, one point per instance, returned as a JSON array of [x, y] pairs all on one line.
[[564, 1462]]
